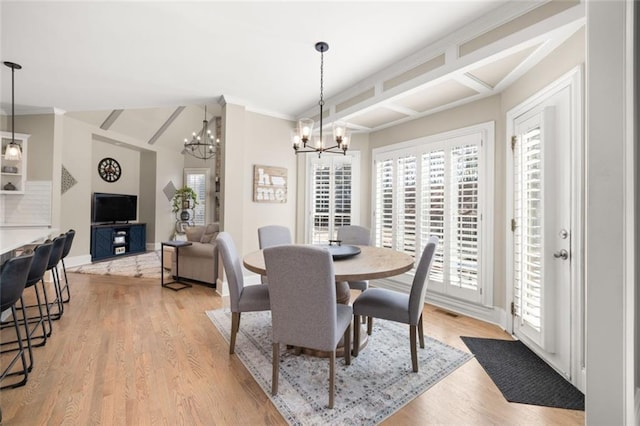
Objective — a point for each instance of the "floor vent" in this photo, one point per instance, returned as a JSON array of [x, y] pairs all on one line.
[[451, 314]]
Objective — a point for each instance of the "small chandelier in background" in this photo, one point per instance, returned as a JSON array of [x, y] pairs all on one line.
[[304, 132], [202, 144], [13, 151]]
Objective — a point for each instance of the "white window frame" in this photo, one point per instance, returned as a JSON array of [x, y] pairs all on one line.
[[312, 159], [486, 132]]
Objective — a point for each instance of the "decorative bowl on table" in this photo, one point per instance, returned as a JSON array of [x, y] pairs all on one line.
[[341, 252]]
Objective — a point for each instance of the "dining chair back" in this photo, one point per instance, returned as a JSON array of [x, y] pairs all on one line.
[[354, 234], [273, 235], [270, 236], [395, 306], [304, 312], [241, 299]]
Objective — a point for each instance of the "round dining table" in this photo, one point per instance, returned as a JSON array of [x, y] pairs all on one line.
[[371, 263]]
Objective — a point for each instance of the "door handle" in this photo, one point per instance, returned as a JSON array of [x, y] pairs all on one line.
[[562, 254]]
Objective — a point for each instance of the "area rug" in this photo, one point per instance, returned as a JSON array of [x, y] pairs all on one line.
[[522, 376], [376, 384], [146, 265]]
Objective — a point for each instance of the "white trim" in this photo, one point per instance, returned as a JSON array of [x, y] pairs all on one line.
[[573, 80], [631, 177]]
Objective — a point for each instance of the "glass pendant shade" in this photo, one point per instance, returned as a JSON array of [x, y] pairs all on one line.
[[13, 152]]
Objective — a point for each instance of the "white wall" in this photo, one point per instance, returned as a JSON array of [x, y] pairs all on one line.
[[254, 139]]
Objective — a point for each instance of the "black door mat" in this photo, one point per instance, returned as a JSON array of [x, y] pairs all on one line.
[[522, 376]]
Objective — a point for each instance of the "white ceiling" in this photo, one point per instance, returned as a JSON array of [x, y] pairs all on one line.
[[382, 66]]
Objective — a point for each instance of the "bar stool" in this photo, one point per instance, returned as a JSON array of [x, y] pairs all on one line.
[[67, 248], [12, 281], [41, 255], [54, 259]]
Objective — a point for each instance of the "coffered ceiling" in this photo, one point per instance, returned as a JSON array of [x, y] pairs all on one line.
[[145, 69]]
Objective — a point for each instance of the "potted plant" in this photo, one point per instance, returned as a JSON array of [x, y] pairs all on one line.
[[184, 198]]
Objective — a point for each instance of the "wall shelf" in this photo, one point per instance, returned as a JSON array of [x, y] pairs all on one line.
[[19, 177]]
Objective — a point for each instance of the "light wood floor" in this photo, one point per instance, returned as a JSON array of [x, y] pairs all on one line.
[[127, 352]]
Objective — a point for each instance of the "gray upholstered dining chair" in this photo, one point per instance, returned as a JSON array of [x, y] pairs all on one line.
[[304, 312], [395, 306], [273, 235], [242, 299], [357, 235]]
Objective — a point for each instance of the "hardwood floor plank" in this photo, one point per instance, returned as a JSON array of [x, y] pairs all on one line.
[[127, 351]]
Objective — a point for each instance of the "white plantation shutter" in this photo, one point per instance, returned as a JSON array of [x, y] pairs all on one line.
[[463, 224], [197, 180], [321, 202], [332, 188], [528, 234], [435, 188], [342, 194], [384, 203], [406, 190], [433, 207]]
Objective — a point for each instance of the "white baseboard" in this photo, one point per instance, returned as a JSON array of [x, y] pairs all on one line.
[[71, 262]]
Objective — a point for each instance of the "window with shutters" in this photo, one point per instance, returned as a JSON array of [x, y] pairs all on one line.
[[333, 181], [198, 180], [442, 186]]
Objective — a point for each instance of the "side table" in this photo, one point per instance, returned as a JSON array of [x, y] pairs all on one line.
[[176, 284]]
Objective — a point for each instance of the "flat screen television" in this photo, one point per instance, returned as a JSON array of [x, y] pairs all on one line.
[[112, 208]]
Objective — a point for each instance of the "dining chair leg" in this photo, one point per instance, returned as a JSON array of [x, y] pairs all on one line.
[[235, 326], [414, 349], [347, 343], [356, 335], [369, 325], [332, 376], [421, 332], [275, 368]]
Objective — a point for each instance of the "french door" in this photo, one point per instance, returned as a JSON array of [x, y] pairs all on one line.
[[543, 218]]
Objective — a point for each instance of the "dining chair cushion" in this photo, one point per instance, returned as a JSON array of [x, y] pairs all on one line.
[[383, 303], [253, 298]]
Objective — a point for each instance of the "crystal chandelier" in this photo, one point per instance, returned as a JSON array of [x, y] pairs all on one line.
[[13, 152], [202, 144], [303, 133]]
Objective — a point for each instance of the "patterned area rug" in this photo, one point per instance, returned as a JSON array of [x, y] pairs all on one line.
[[376, 384], [146, 265]]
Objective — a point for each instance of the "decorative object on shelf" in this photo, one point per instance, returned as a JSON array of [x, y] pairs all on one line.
[[182, 196], [109, 169], [183, 200], [9, 169], [9, 187], [13, 150], [203, 144], [305, 125], [269, 184]]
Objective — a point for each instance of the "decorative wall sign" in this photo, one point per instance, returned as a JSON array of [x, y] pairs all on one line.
[[269, 184]]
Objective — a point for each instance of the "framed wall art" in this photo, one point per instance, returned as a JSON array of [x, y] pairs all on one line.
[[269, 184]]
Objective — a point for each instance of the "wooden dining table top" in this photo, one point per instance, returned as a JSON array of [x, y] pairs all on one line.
[[371, 263]]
